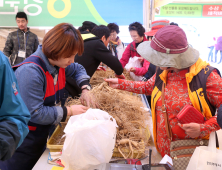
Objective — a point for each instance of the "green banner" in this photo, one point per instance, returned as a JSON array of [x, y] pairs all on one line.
[[190, 10], [181, 10], [49, 12]]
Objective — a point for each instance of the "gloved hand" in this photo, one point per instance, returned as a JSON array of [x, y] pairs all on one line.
[[120, 76]]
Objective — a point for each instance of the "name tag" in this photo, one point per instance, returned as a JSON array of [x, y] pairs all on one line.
[[21, 54]]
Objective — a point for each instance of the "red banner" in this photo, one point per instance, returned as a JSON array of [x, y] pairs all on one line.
[[212, 11]]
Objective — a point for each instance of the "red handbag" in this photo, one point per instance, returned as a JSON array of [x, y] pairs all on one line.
[[190, 115]]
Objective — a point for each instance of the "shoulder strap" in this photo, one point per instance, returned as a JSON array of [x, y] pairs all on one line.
[[167, 125], [158, 81]]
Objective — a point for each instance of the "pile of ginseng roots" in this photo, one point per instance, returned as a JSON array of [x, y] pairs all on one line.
[[128, 111]]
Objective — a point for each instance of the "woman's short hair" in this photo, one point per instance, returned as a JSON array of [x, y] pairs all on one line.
[[113, 27], [136, 26], [62, 41]]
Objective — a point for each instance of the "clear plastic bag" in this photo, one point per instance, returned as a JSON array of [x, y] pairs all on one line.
[[134, 62]]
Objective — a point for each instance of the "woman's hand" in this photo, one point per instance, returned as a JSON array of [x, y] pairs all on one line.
[[76, 110], [88, 99], [112, 82], [191, 129], [132, 69]]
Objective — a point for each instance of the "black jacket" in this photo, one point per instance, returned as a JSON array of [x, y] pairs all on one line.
[[95, 52], [151, 71]]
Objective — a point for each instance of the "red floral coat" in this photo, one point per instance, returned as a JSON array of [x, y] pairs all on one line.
[[176, 97]]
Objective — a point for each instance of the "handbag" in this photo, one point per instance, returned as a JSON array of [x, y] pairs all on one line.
[[180, 150], [189, 114], [207, 157]]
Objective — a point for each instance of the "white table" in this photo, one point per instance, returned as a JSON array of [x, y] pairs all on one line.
[[42, 162]]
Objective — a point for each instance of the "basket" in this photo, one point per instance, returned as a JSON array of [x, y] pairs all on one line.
[[116, 153], [136, 153], [52, 147]]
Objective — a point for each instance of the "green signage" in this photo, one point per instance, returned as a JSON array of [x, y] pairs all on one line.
[[181, 10], [190, 10]]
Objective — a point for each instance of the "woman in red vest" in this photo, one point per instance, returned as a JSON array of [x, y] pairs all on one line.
[[41, 79]]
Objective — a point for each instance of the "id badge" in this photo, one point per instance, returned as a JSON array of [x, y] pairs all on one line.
[[21, 54]]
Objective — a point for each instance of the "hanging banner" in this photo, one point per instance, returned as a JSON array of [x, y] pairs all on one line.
[[159, 3], [190, 10], [52, 12], [212, 11]]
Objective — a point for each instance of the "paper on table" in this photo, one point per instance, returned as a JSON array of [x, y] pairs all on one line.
[[57, 168], [166, 159]]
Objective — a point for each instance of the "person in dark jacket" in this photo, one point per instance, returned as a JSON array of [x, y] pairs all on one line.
[[22, 43], [14, 115], [95, 52]]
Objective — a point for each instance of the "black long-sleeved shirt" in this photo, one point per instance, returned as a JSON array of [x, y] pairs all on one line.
[[95, 52]]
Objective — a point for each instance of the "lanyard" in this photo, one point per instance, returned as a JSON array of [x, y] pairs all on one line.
[[56, 91], [26, 40]]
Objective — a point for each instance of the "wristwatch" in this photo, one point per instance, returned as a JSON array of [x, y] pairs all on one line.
[[87, 87]]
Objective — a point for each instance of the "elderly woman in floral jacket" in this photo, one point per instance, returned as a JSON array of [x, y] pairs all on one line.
[[185, 79]]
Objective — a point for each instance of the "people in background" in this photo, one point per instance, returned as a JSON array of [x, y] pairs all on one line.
[[87, 26], [14, 115], [115, 45], [41, 79], [181, 75], [95, 52], [137, 34], [173, 23], [22, 43], [218, 47], [211, 45]]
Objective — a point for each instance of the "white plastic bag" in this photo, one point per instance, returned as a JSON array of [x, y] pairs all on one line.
[[90, 140], [134, 62], [207, 157]]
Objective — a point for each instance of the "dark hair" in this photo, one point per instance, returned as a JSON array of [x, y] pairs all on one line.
[[87, 25], [21, 15], [113, 27], [100, 31], [149, 37], [173, 23], [62, 41], [136, 26]]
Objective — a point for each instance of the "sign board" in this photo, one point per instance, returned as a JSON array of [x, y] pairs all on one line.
[[212, 11], [190, 10], [52, 12]]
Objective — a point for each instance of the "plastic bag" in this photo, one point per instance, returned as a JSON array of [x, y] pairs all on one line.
[[134, 62], [90, 140]]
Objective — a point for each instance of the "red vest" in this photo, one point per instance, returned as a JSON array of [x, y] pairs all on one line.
[[53, 93]]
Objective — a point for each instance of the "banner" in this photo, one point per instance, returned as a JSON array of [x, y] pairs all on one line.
[[212, 11], [52, 12], [190, 10]]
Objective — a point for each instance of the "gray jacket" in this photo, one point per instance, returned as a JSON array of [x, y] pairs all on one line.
[[17, 40]]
